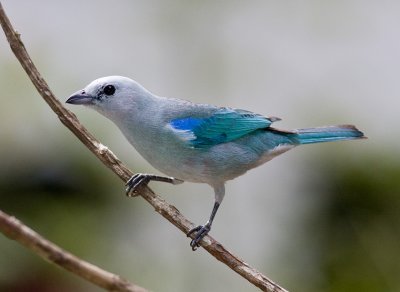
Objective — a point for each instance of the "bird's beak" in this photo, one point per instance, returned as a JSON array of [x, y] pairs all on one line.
[[80, 97]]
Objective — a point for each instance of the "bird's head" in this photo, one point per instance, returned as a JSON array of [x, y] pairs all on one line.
[[111, 95]]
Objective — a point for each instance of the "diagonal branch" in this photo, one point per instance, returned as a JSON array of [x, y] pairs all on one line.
[[14, 229], [111, 161]]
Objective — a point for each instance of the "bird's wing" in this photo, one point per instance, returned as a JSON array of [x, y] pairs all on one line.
[[224, 125]]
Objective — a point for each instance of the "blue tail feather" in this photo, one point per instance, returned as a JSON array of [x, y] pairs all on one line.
[[326, 134]]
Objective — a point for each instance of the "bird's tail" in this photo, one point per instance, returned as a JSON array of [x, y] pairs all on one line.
[[326, 134]]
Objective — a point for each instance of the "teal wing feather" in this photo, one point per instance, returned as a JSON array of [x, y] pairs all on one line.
[[223, 126]]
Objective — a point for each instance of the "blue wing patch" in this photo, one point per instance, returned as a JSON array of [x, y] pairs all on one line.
[[223, 126]]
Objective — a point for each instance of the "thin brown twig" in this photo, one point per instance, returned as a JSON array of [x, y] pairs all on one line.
[[16, 230], [167, 210]]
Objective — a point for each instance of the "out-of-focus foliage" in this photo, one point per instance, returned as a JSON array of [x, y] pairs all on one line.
[[350, 230], [360, 224], [67, 200]]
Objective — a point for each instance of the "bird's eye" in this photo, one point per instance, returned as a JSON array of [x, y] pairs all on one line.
[[109, 90]]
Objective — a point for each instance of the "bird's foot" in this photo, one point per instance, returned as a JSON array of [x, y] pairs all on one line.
[[201, 231], [142, 179]]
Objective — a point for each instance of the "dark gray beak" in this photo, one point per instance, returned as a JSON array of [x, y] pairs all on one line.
[[80, 97]]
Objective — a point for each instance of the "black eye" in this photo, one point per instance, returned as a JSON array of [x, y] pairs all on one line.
[[109, 90]]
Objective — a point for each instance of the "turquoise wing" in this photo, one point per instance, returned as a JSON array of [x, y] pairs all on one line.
[[223, 126]]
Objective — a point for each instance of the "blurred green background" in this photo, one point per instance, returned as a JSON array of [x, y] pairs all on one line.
[[319, 218]]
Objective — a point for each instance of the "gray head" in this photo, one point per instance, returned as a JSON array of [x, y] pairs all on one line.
[[111, 95]]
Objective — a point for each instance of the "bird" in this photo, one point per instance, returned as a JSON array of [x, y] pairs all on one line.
[[199, 143]]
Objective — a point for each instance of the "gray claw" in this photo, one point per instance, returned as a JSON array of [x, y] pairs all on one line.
[[201, 232], [135, 182], [142, 179]]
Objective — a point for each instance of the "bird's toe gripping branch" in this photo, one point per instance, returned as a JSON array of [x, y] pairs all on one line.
[[139, 180], [201, 231]]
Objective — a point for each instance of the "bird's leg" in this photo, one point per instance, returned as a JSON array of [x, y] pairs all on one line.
[[142, 179], [202, 230]]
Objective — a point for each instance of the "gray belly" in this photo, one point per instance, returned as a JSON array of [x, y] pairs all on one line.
[[212, 165]]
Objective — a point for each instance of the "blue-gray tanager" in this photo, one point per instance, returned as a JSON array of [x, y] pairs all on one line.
[[192, 142]]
